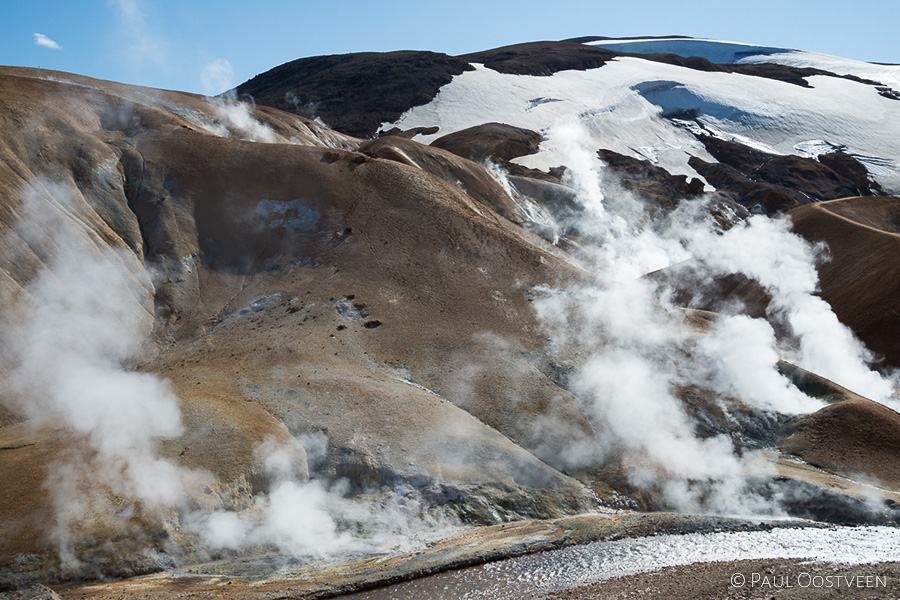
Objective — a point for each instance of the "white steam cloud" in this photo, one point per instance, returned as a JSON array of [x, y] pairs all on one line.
[[68, 338], [217, 77], [67, 341], [743, 360], [233, 118], [314, 519], [569, 139], [43, 41], [784, 264], [295, 516], [634, 350]]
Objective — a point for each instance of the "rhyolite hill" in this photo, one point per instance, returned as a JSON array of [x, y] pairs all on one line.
[[376, 290]]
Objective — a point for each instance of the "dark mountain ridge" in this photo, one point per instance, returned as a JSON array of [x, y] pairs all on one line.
[[356, 93]]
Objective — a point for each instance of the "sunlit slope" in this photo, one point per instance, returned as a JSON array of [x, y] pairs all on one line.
[[288, 289], [376, 328], [861, 279]]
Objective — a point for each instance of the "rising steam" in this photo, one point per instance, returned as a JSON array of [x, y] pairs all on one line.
[[633, 348], [69, 337], [233, 118], [68, 342]]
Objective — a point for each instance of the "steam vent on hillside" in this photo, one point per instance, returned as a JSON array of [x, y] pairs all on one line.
[[564, 319]]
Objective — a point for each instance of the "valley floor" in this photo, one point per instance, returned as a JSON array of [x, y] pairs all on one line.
[[621, 555]]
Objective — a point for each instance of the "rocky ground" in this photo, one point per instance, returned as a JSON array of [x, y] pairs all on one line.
[[268, 576]]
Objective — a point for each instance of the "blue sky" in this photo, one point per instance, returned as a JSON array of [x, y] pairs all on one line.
[[172, 43]]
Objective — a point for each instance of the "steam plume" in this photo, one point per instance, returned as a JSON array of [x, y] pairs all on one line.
[[69, 337], [68, 341], [633, 348]]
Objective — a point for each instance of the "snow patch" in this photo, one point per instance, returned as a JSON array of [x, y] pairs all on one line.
[[624, 107], [540, 574]]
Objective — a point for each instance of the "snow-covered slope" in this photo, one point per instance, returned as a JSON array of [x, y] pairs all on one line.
[[649, 109], [712, 50], [732, 52]]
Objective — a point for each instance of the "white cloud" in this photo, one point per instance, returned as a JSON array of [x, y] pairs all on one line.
[[42, 40], [217, 77], [141, 43]]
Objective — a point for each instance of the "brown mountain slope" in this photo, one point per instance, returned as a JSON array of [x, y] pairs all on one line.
[[472, 178], [360, 304], [297, 289], [856, 438], [861, 281]]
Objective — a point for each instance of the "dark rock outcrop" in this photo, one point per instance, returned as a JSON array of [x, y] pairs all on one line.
[[775, 183], [807, 176], [355, 93], [541, 58], [650, 182], [741, 157], [846, 166], [756, 196], [497, 142], [409, 133]]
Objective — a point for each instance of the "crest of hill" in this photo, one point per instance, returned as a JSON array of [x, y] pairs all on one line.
[[355, 93], [541, 58], [602, 38]]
